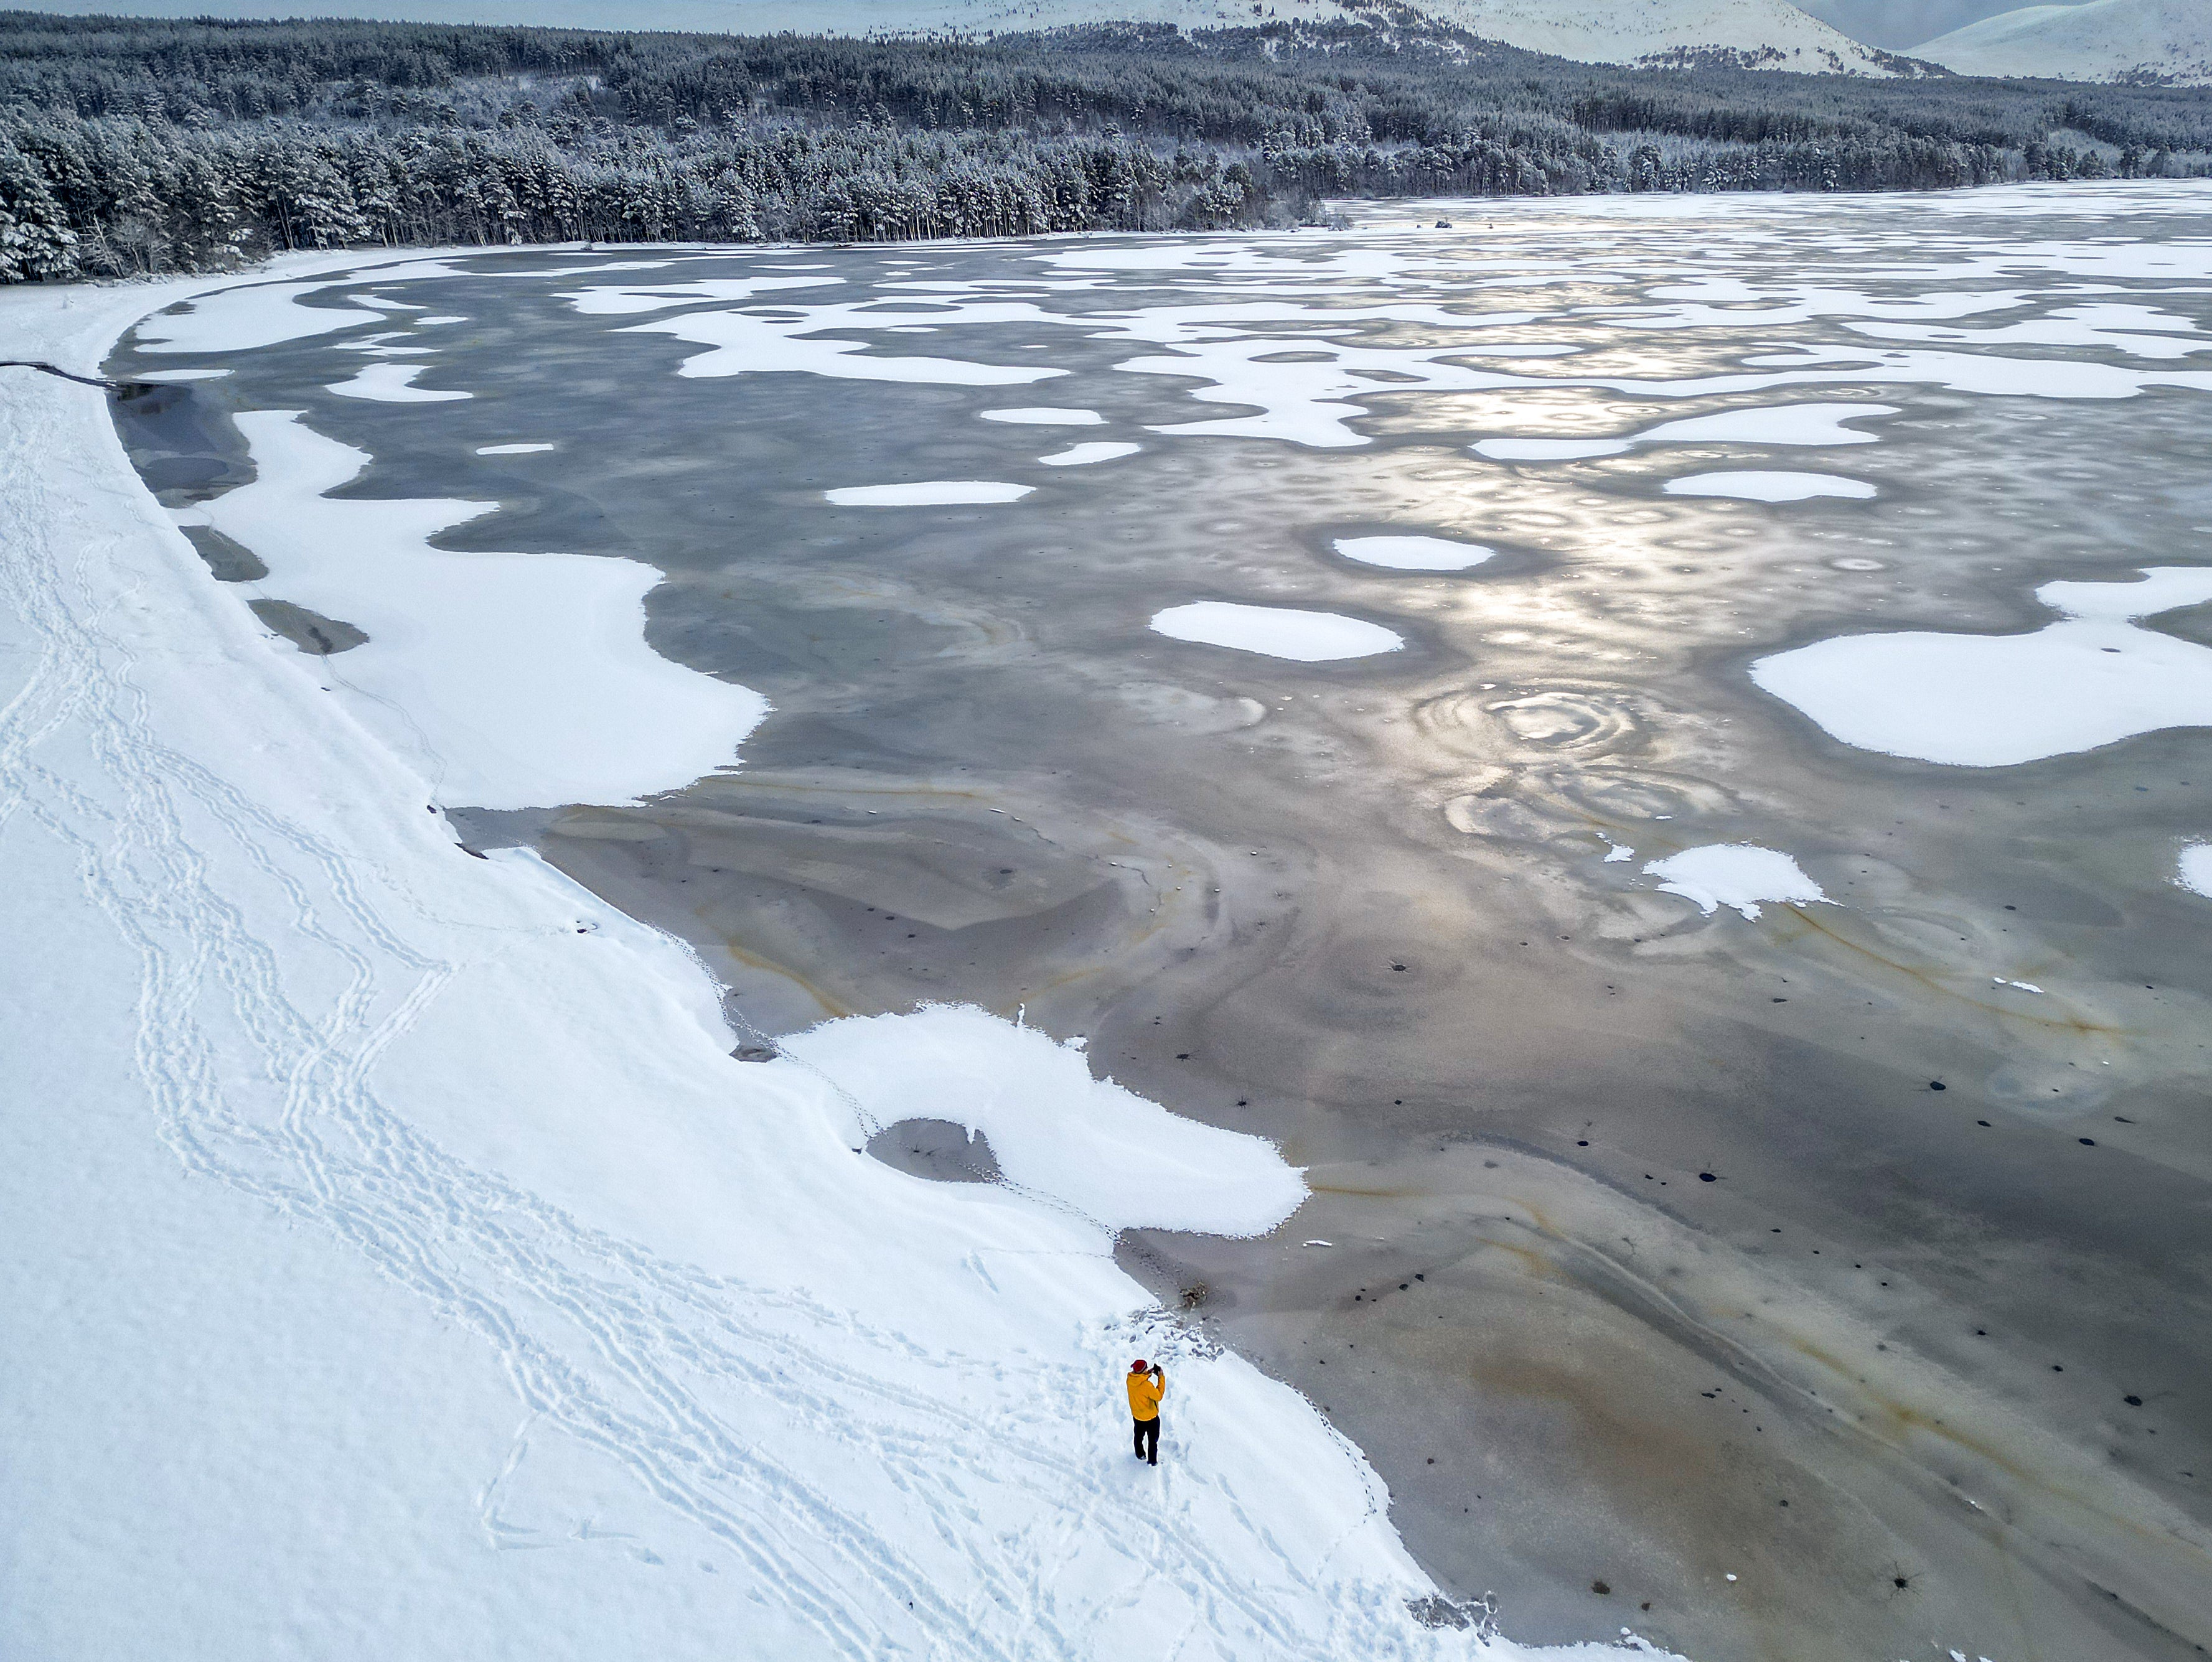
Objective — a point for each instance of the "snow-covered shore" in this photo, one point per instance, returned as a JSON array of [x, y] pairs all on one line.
[[399, 1265]]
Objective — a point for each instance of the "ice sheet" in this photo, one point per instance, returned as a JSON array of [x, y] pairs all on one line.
[[1435, 553], [927, 493], [1740, 875], [1276, 631], [1769, 487]]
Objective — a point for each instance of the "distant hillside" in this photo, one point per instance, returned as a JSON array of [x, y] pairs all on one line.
[[2158, 41], [134, 145], [1753, 34], [1766, 34]]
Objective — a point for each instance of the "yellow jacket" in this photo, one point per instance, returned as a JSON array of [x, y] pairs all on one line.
[[1145, 1394]]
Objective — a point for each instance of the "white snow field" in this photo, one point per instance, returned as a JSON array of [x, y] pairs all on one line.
[[1276, 631], [1430, 554], [399, 1266], [2101, 40], [1992, 701], [1737, 874]]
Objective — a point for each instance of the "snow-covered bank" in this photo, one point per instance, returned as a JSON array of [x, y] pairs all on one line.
[[378, 1212]]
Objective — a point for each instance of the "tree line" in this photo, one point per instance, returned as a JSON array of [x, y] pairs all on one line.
[[132, 145]]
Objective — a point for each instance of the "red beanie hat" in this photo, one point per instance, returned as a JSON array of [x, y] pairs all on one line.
[[1138, 1365]]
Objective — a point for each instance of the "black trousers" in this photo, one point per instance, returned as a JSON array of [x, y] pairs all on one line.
[[1148, 1440]]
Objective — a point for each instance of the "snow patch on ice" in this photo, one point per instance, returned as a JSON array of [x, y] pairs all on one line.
[[612, 301], [1771, 424], [1972, 700], [1739, 875], [1276, 631], [927, 492], [1435, 553], [1088, 1144], [1547, 450], [393, 384], [240, 320], [1766, 424], [1046, 415], [743, 343], [1769, 487], [2193, 870], [508, 680], [1085, 455]]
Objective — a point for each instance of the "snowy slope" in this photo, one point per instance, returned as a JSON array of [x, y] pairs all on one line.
[[399, 1265], [1760, 33], [1763, 34], [2103, 41]]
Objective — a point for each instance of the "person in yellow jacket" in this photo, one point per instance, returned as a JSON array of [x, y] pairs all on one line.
[[1147, 1385]]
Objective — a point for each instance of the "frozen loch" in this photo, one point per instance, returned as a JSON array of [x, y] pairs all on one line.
[[1561, 861]]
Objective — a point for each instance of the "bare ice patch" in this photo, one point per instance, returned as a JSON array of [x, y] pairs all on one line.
[[1973, 700], [1046, 415], [2194, 870], [1430, 554], [1769, 487], [392, 383], [927, 492], [1276, 631], [1736, 874]]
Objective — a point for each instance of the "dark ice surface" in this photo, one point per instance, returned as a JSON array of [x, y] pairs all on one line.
[[1794, 1287]]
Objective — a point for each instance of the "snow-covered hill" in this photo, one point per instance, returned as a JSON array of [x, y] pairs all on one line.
[[2103, 41], [1770, 35], [1760, 33]]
